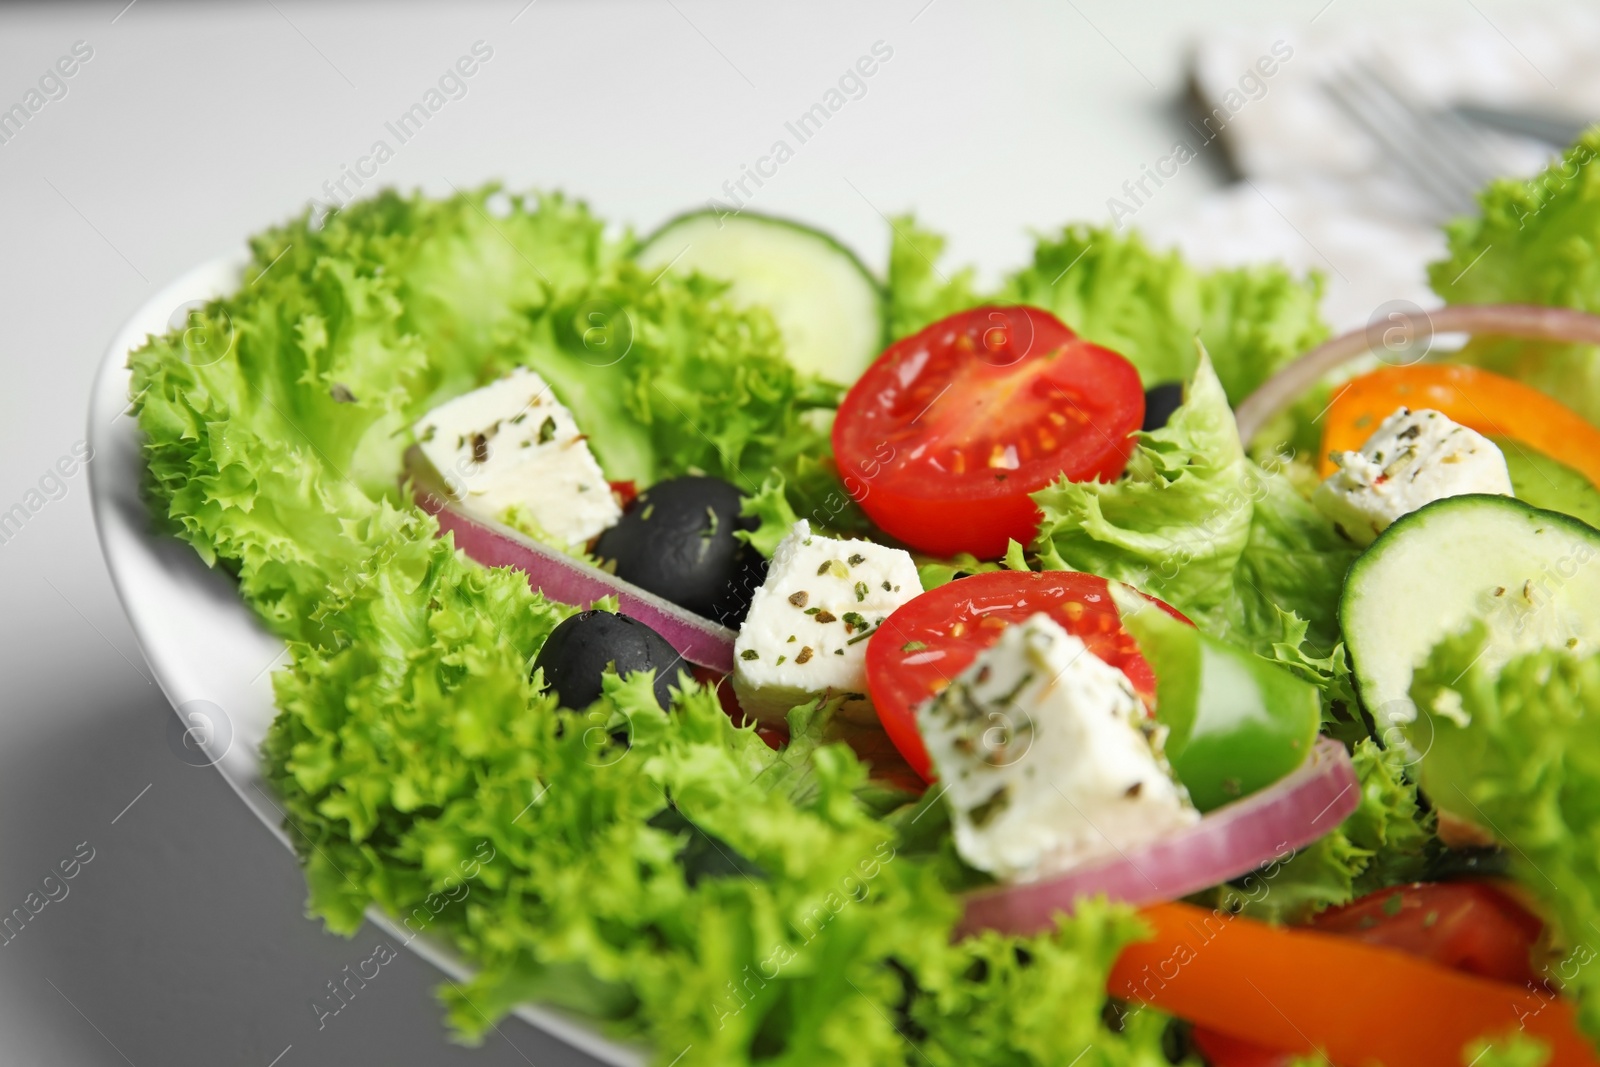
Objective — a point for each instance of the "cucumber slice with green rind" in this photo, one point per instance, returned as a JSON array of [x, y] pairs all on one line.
[[1532, 576], [828, 306]]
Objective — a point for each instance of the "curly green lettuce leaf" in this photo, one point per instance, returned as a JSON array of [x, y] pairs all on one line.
[[1294, 562], [1390, 824], [918, 292], [1289, 644], [543, 835], [420, 770], [585, 900], [1115, 290], [1297, 886], [280, 456], [1513, 1049], [666, 379], [1516, 749], [1176, 523], [1195, 522], [1149, 306], [1533, 241], [774, 517], [1205, 528], [986, 1002], [1016, 557], [936, 572]]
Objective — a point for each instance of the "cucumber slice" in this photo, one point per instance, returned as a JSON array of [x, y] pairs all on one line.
[[827, 305], [1531, 575]]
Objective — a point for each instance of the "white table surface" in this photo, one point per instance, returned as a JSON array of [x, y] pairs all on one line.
[[184, 941]]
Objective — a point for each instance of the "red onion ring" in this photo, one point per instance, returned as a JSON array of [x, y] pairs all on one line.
[[1229, 842], [1529, 321], [571, 581]]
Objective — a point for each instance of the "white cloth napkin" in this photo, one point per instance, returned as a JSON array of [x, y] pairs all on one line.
[[1318, 192]]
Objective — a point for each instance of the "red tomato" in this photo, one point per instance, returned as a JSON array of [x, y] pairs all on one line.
[[928, 641], [1222, 1050], [1471, 927], [948, 431], [624, 492]]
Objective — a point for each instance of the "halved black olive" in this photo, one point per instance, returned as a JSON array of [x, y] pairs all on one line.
[[703, 855], [1160, 401], [676, 540], [579, 650]]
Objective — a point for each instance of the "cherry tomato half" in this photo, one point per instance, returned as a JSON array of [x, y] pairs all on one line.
[[624, 493], [948, 431], [1471, 927], [1223, 1050], [930, 640]]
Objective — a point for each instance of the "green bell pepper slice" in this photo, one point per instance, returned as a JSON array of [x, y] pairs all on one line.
[[1236, 722]]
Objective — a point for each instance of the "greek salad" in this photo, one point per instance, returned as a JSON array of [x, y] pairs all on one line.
[[1109, 667]]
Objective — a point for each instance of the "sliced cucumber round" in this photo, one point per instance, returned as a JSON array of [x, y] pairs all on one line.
[[827, 305], [1532, 576]]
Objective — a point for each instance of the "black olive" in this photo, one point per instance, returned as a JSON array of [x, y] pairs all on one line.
[[703, 855], [579, 650], [1160, 401], [1479, 861], [676, 540], [733, 603]]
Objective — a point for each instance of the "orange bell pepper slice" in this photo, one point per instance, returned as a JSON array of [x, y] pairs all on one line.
[[1301, 990], [1489, 403]]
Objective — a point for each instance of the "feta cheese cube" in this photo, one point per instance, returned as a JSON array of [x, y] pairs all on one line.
[[1047, 757], [511, 453], [807, 629], [1414, 458]]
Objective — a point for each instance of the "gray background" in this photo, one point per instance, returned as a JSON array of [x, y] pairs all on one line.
[[184, 940]]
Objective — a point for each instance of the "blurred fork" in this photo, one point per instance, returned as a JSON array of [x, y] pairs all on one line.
[[1553, 128], [1440, 154]]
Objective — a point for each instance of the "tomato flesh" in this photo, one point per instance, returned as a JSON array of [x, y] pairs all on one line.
[[946, 434], [930, 640], [624, 493], [1467, 926], [1224, 1050]]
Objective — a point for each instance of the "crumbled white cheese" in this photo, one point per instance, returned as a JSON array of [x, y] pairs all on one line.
[[1414, 458], [510, 452], [1047, 757], [807, 629]]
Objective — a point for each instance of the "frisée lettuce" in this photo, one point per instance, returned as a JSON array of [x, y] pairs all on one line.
[[1516, 749], [1534, 241], [420, 767], [281, 459], [1115, 290], [1197, 523], [667, 872]]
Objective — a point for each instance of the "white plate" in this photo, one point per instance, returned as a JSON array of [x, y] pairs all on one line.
[[210, 655]]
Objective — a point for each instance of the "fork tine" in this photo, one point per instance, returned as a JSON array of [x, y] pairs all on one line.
[[1452, 138], [1419, 149], [1353, 96], [1452, 165]]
